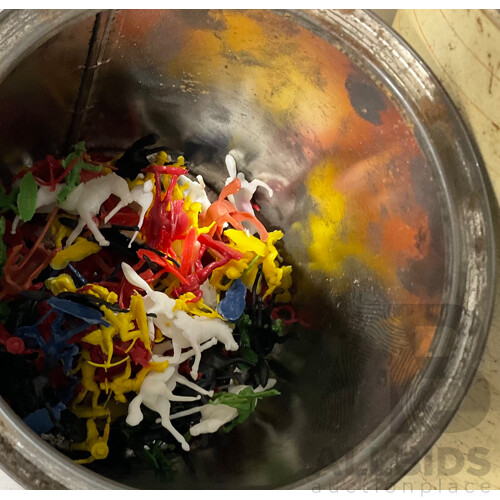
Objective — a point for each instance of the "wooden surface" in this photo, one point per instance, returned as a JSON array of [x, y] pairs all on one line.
[[462, 48]]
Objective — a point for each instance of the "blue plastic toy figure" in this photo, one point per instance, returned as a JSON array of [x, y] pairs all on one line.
[[57, 347], [231, 307]]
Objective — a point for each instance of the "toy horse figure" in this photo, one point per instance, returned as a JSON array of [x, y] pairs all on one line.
[[86, 200]]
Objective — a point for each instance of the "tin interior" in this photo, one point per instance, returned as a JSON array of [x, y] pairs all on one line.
[[375, 227]]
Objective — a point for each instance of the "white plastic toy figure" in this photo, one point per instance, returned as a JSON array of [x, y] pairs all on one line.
[[143, 196], [157, 394], [195, 190], [86, 200], [242, 200], [45, 203], [184, 330]]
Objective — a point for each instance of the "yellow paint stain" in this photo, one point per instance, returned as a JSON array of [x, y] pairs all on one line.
[[287, 83], [332, 240], [326, 250], [244, 33]]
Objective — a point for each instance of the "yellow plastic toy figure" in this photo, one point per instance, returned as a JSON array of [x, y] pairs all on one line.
[[96, 444], [256, 252]]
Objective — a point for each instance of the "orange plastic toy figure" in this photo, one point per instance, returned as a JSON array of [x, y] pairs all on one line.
[[21, 269], [222, 211]]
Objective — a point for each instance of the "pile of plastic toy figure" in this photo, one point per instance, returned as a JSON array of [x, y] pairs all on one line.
[[135, 313]]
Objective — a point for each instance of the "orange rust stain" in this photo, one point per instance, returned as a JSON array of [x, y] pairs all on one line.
[[409, 241]]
